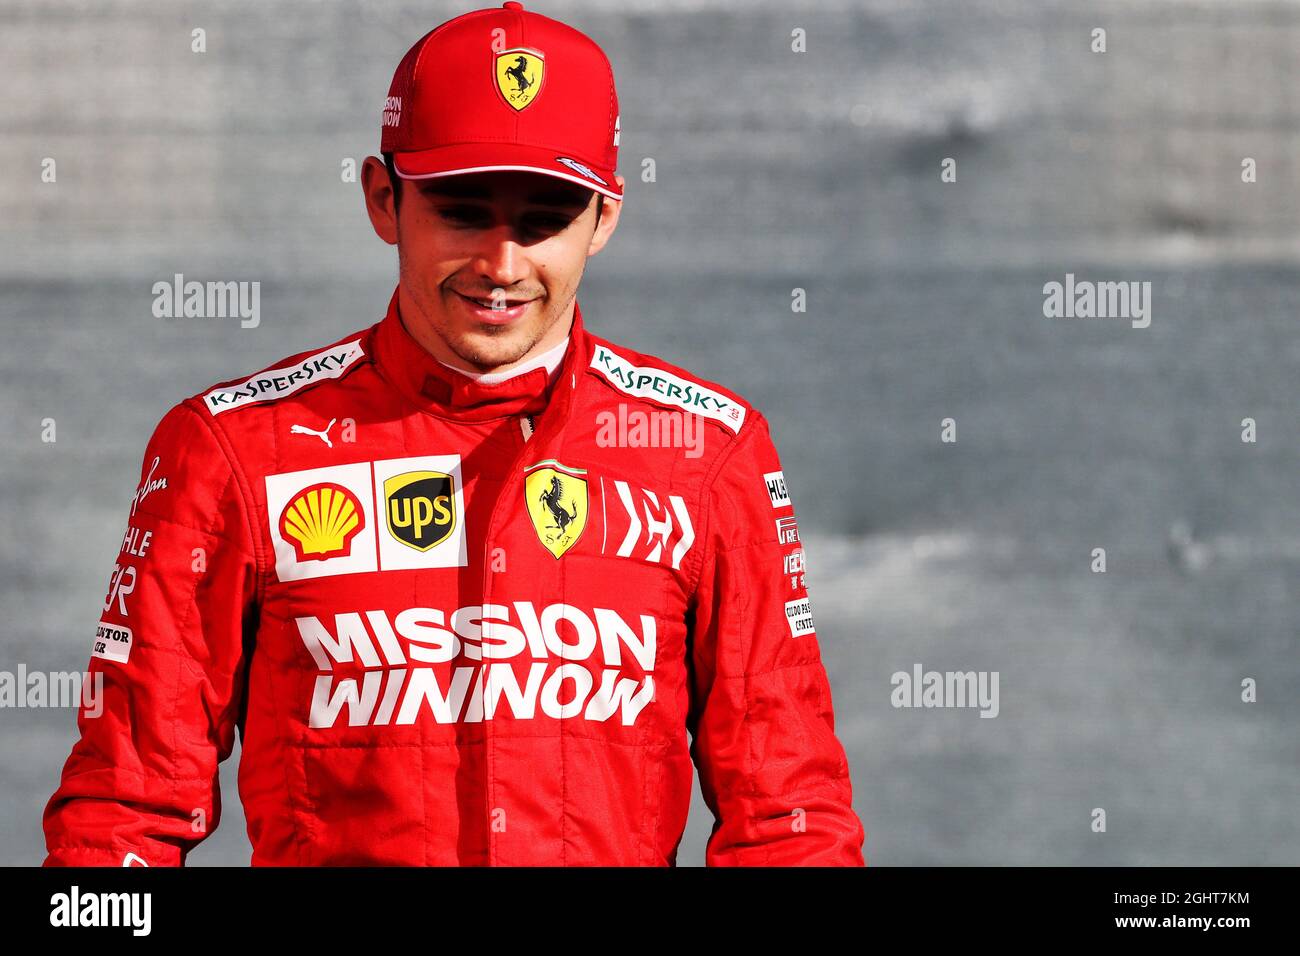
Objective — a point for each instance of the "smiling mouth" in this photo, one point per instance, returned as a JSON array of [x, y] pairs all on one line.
[[487, 303], [490, 316]]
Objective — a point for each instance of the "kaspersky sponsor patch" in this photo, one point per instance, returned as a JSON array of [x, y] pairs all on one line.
[[279, 382], [667, 388], [388, 515]]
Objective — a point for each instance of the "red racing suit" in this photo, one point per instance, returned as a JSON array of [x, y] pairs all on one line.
[[460, 624]]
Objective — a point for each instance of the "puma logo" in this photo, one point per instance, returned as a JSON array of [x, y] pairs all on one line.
[[322, 435]]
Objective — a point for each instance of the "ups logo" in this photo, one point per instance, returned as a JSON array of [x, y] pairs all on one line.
[[420, 507]]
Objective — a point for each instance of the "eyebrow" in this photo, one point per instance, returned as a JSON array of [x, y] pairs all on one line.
[[451, 189]]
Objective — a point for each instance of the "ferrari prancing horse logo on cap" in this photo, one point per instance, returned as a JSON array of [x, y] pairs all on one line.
[[519, 76]]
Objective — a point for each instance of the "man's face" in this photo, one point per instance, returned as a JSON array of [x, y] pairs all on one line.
[[489, 262]]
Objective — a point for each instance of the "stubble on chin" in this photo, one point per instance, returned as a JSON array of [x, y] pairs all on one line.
[[484, 356], [493, 346]]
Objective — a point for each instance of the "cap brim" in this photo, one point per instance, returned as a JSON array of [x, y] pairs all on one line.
[[502, 157]]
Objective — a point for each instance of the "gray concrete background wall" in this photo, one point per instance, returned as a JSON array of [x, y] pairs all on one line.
[[774, 170]]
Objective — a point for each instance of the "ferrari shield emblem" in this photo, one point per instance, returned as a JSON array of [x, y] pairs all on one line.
[[556, 497], [519, 76]]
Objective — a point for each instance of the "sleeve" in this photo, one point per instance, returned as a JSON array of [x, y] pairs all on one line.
[[164, 683], [762, 726]]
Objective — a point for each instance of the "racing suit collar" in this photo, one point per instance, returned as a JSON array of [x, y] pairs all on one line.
[[447, 392]]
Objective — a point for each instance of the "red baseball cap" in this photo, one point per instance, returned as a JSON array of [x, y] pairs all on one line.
[[504, 89]]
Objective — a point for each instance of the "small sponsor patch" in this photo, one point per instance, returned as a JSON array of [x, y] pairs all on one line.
[[667, 388], [580, 169], [322, 521], [798, 614], [279, 382], [420, 507], [793, 565], [655, 531], [421, 504], [148, 486], [112, 642], [775, 482], [787, 530], [392, 111]]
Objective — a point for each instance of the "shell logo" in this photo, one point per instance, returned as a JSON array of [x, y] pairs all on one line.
[[321, 521]]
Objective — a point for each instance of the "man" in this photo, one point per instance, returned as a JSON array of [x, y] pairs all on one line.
[[459, 611]]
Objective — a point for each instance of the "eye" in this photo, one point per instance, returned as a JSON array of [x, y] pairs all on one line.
[[461, 214], [548, 222]]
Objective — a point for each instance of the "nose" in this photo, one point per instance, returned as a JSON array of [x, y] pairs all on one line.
[[500, 258]]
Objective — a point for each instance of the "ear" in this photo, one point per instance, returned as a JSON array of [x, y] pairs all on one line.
[[378, 191], [609, 213]]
